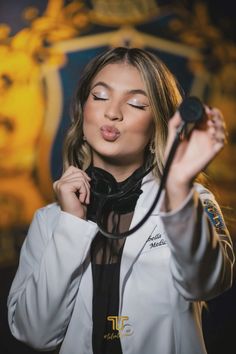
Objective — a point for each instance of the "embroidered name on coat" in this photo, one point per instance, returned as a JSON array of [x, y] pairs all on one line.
[[155, 240]]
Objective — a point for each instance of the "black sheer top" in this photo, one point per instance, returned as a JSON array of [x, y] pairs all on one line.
[[106, 257]]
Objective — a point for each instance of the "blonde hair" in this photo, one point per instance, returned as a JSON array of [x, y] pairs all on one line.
[[162, 90]]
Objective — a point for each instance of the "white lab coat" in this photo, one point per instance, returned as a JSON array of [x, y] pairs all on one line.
[[169, 266]]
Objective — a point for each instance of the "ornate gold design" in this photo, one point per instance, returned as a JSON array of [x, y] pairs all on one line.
[[194, 28], [31, 58], [123, 12], [24, 59]]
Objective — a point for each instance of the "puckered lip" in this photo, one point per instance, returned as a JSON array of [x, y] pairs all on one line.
[[109, 133]]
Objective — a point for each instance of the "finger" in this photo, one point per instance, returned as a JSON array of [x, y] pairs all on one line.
[[75, 177], [215, 115], [74, 185], [217, 126], [82, 188], [173, 125], [85, 175], [83, 194], [208, 110], [72, 169], [217, 112]]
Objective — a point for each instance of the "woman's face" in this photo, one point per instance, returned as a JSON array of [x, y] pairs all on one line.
[[118, 122]]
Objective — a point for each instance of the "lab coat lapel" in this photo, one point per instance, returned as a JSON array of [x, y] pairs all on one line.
[[136, 241]]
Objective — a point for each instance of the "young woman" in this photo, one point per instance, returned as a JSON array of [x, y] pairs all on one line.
[[85, 293]]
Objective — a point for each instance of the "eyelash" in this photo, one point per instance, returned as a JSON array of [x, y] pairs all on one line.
[[138, 107], [96, 98]]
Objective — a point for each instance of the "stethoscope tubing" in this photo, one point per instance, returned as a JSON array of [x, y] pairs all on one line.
[[118, 235], [191, 111]]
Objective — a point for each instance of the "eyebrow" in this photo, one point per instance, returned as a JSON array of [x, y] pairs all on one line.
[[134, 91]]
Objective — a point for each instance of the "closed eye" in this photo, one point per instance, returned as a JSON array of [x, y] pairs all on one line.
[[97, 98], [138, 107]]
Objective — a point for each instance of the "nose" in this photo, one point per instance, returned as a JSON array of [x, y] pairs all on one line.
[[113, 112]]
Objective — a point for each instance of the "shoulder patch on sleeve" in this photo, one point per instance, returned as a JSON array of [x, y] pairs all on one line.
[[215, 215]]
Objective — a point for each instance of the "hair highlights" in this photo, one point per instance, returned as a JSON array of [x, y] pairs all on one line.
[[163, 93]]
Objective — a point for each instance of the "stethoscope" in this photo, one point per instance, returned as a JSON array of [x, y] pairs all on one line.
[[191, 111]]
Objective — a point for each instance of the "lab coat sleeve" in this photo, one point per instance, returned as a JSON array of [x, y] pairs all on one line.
[[202, 255], [42, 295]]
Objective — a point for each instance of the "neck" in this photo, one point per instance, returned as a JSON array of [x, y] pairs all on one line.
[[119, 172]]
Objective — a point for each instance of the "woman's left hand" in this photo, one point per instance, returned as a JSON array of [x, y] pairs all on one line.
[[194, 153]]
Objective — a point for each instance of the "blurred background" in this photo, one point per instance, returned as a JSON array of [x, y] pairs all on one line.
[[44, 45]]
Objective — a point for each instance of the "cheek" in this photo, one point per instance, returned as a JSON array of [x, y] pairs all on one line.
[[90, 115], [87, 120], [87, 112], [143, 127]]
